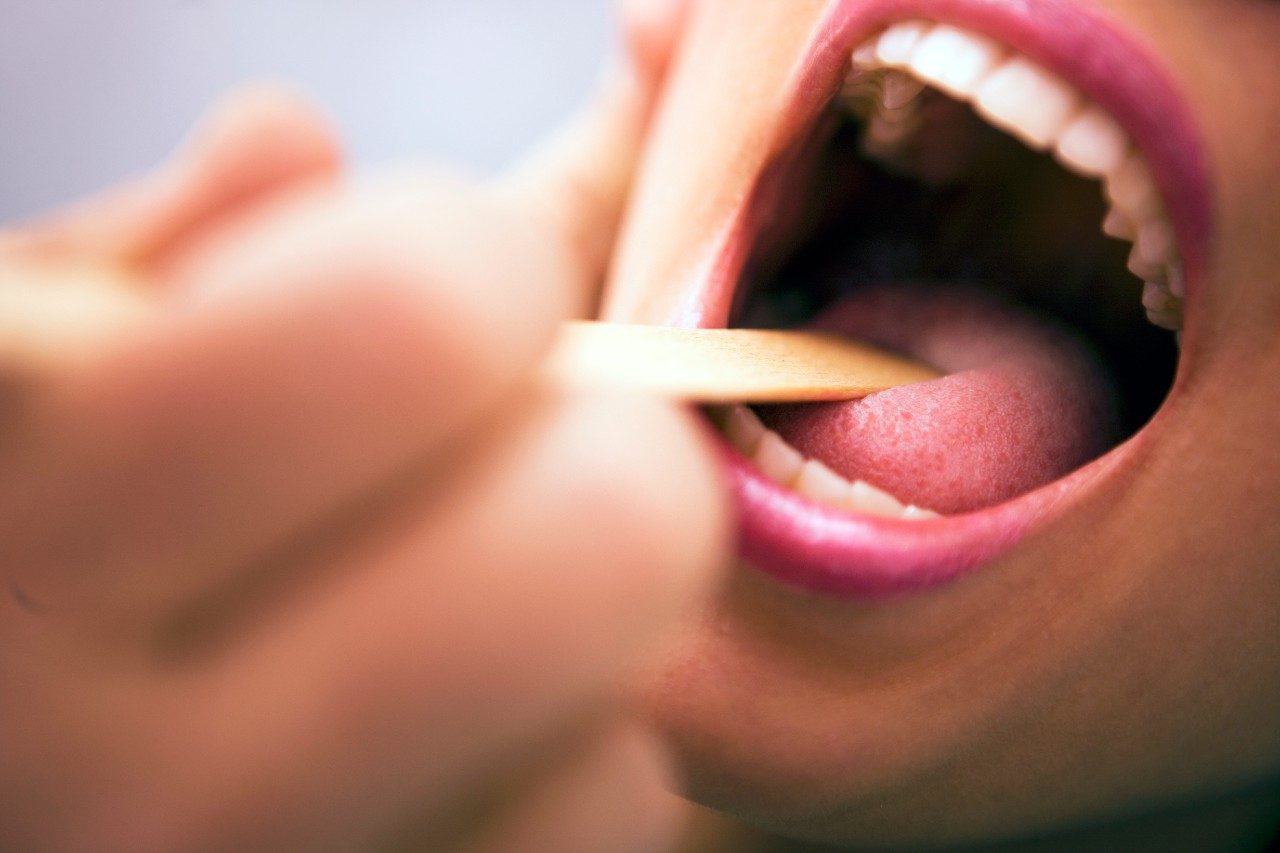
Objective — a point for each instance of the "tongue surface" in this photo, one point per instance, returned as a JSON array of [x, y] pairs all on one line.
[[1024, 402]]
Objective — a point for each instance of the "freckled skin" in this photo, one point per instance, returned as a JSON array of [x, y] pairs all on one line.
[[1119, 669]]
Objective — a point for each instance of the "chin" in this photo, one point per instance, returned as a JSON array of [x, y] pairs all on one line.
[[1038, 594]]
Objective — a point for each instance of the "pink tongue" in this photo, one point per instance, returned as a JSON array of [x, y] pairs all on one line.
[[1024, 401]]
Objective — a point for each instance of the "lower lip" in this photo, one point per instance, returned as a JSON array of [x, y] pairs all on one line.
[[826, 550]]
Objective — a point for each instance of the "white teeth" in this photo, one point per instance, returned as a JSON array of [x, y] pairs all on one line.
[[819, 482], [1036, 106], [782, 463], [1171, 321], [744, 429], [1155, 244], [896, 44], [1093, 144], [866, 498], [1119, 226], [953, 60], [1027, 101], [1134, 198], [865, 55], [1155, 297], [1132, 190], [1163, 308], [778, 460], [1143, 268]]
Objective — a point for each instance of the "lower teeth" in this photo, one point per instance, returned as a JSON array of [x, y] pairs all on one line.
[[786, 466]]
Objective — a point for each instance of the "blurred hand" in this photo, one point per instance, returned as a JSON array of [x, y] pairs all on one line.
[[295, 551]]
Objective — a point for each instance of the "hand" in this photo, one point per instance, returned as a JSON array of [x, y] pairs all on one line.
[[295, 550]]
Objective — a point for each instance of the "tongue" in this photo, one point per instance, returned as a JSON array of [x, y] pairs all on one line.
[[1024, 402]]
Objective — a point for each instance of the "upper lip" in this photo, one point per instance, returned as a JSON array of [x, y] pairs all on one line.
[[832, 551]]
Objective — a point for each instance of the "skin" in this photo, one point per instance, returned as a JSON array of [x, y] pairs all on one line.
[[1116, 678], [295, 627], [293, 553]]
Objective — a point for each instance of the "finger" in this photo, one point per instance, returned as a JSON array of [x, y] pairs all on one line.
[[338, 343], [52, 317], [653, 29], [575, 186], [444, 645], [612, 794], [257, 142], [578, 182]]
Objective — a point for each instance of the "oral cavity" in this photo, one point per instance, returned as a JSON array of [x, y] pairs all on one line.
[[953, 237], [1024, 403], [891, 72]]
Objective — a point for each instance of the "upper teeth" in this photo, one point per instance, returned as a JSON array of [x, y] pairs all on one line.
[[1038, 107], [784, 464]]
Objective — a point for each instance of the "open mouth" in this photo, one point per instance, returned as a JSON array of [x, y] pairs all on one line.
[[958, 201]]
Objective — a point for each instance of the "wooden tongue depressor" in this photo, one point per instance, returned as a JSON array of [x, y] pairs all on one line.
[[48, 314], [719, 366]]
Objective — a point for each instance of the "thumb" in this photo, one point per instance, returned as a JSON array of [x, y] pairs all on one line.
[[578, 181]]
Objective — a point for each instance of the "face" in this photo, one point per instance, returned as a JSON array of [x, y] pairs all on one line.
[[1086, 629]]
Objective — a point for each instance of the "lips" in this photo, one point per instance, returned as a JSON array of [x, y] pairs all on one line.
[[997, 446]]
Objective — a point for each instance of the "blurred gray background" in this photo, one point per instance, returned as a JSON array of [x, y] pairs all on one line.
[[93, 90]]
